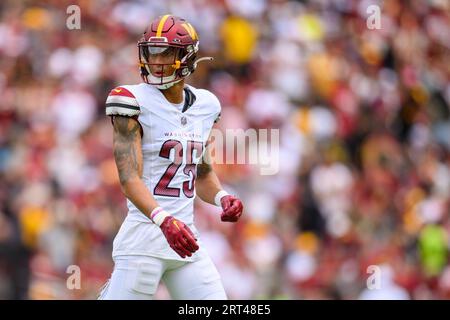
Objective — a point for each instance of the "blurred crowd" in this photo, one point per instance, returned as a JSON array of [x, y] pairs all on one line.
[[362, 195]]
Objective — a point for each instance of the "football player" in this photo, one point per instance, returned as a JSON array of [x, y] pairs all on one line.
[[161, 129]]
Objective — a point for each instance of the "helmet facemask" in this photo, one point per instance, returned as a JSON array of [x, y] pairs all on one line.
[[164, 65]]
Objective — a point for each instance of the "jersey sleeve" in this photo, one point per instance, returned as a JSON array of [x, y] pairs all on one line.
[[217, 118], [121, 102]]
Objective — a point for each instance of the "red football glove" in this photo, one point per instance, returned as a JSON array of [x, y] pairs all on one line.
[[179, 236], [232, 208]]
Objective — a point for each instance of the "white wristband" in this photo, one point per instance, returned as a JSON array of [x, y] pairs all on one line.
[[158, 215], [220, 195]]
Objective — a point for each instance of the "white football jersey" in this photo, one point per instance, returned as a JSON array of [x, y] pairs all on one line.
[[173, 142]]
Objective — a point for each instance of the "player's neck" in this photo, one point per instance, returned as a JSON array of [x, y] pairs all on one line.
[[174, 94]]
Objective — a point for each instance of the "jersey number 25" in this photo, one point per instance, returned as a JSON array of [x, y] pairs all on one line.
[[162, 187]]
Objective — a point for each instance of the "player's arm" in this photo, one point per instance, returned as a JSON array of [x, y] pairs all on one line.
[[209, 189], [207, 183], [128, 156]]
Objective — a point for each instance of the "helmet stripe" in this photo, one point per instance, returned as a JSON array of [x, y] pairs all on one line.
[[161, 25], [194, 33], [190, 29]]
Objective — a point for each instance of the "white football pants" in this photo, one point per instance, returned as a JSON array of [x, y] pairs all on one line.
[[138, 277]]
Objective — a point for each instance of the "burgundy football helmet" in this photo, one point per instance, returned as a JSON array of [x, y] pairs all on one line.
[[172, 35]]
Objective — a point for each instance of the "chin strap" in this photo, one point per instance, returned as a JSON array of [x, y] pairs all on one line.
[[166, 85]]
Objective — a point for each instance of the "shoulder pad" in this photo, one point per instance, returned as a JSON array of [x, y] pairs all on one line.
[[122, 102]]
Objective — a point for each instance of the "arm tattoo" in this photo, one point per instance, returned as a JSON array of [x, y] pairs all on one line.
[[127, 148], [203, 169]]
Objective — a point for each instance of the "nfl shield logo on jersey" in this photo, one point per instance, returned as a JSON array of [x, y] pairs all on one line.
[[183, 120]]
